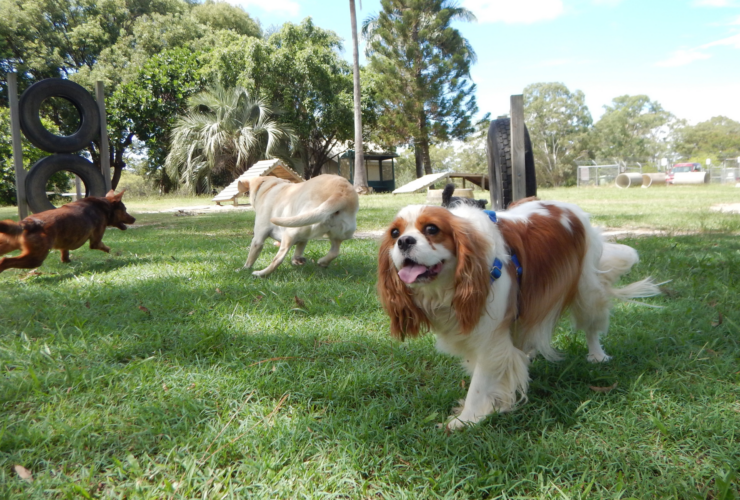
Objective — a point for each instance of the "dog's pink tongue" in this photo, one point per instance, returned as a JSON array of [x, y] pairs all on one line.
[[409, 273]]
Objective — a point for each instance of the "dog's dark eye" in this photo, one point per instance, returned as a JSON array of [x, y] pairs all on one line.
[[431, 229], [395, 233]]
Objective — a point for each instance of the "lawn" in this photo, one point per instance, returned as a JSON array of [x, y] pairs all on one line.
[[159, 371]]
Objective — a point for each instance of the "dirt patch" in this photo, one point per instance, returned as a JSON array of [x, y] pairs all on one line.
[[201, 209], [729, 208]]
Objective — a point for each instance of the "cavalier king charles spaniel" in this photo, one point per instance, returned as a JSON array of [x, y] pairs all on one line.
[[493, 285]]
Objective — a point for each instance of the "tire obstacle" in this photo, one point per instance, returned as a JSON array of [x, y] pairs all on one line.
[[61, 146]]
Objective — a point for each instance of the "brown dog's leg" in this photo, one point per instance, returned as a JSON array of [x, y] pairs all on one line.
[[96, 242], [65, 255], [23, 261]]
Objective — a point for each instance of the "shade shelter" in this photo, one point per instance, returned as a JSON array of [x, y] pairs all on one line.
[[380, 168]]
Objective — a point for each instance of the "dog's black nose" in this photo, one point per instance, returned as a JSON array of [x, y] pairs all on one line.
[[405, 242]]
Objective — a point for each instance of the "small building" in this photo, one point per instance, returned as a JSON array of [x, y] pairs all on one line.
[[380, 167]]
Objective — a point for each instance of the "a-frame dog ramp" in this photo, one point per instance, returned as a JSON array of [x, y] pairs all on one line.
[[421, 183], [262, 168]]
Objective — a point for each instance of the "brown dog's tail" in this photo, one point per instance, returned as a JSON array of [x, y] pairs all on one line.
[[334, 204], [10, 227]]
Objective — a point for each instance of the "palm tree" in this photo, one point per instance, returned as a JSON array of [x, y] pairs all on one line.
[[225, 131], [360, 173]]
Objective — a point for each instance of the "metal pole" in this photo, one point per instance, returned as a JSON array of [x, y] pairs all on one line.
[[78, 186], [518, 172], [15, 128], [104, 154]]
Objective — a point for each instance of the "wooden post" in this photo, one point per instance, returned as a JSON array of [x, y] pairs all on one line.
[[518, 172], [15, 129], [104, 154]]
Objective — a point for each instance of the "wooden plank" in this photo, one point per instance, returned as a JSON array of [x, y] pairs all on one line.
[[518, 173], [15, 128], [104, 152], [421, 183]]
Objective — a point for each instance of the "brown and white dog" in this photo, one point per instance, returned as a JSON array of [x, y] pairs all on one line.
[[452, 271], [65, 228], [293, 214]]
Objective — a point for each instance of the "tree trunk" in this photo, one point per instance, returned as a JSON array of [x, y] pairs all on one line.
[[418, 160], [425, 156], [422, 142], [360, 172]]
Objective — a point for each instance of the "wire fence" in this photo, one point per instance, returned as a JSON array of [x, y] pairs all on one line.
[[603, 175], [724, 175]]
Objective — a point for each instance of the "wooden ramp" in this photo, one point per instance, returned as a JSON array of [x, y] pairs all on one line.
[[421, 183], [262, 168]]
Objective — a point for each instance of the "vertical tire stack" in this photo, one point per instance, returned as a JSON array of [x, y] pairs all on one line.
[[30, 120], [498, 152]]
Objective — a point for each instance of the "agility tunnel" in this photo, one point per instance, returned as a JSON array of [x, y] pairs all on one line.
[[653, 180], [630, 180], [691, 178]]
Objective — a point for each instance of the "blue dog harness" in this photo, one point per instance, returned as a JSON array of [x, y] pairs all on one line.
[[497, 266]]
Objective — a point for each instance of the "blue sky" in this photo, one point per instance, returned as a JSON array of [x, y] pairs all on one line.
[[685, 54]]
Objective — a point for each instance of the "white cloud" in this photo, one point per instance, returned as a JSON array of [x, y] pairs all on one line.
[[714, 3], [514, 12], [732, 41], [682, 57], [289, 7], [608, 3]]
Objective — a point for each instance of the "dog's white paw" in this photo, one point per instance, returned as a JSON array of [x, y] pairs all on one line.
[[598, 358], [260, 274]]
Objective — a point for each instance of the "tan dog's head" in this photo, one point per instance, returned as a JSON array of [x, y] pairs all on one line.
[[252, 186]]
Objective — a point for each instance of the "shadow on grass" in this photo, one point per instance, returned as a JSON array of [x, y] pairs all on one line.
[[160, 357]]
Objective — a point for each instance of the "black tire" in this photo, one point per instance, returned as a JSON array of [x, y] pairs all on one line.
[[30, 103], [39, 174], [498, 151]]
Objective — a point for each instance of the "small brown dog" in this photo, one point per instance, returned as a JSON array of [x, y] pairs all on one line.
[[65, 228]]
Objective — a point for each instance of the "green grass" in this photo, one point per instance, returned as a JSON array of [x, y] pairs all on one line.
[[157, 371]]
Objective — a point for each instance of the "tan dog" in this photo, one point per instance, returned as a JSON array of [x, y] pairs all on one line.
[[293, 214]]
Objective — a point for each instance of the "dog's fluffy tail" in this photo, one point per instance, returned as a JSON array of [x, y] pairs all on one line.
[[10, 227], [333, 205], [447, 194], [617, 260]]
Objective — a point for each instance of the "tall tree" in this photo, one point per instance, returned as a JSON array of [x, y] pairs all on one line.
[[147, 107], [558, 121], [224, 131], [423, 65], [717, 138], [360, 173], [109, 40], [300, 70], [633, 128]]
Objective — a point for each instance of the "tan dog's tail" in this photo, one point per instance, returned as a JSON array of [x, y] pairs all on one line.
[[10, 227], [333, 205]]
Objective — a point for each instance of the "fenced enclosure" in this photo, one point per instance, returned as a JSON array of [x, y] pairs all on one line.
[[724, 175], [604, 175]]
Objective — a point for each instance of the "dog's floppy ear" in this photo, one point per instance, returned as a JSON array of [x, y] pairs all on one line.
[[243, 186], [406, 317], [472, 276]]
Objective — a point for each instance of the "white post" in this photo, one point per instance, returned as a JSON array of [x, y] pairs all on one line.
[[518, 172], [78, 186], [104, 154], [15, 129]]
